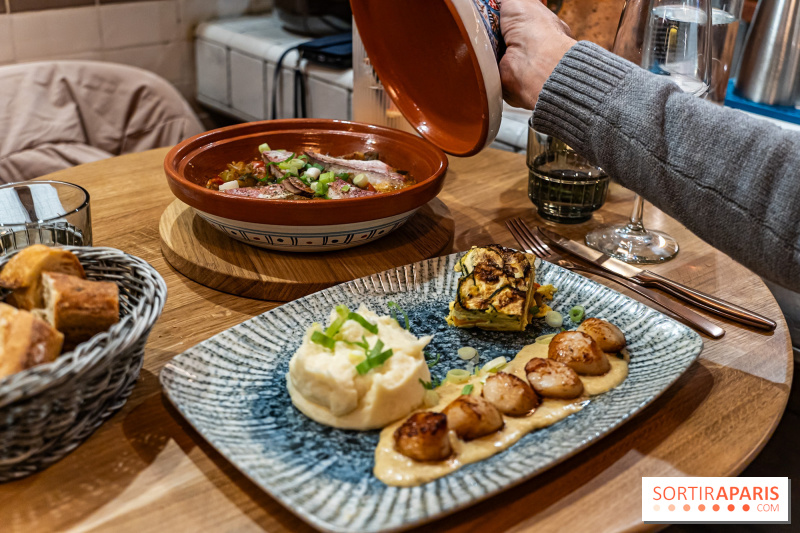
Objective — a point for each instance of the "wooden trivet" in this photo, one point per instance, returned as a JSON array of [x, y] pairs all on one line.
[[208, 256]]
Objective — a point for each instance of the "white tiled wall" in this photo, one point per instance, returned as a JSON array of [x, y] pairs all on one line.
[[157, 35]]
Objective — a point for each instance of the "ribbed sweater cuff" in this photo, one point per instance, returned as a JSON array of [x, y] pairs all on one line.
[[574, 92]]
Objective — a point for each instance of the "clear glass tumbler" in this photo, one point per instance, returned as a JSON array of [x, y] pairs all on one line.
[[46, 212], [564, 186]]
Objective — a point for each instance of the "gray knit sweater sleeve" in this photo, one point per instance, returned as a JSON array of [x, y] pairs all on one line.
[[733, 180]]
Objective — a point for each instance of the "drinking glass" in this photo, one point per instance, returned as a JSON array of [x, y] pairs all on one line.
[[725, 20], [676, 42], [563, 186], [44, 212]]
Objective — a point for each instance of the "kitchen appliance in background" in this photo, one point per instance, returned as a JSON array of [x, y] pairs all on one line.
[[371, 103], [770, 69], [314, 18]]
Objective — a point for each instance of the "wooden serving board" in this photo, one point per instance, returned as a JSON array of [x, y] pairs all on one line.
[[208, 256]]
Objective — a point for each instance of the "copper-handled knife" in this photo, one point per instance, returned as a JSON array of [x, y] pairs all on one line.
[[650, 279]]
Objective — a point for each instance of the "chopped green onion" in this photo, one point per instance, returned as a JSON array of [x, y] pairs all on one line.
[[554, 319], [433, 363], [304, 157], [431, 398], [369, 326], [285, 165], [495, 365], [323, 340], [361, 181], [577, 313], [534, 310], [263, 148], [343, 175], [313, 186], [467, 352], [429, 385], [341, 316], [345, 188], [458, 375], [467, 390], [375, 358], [322, 189], [318, 166], [327, 177], [394, 308]]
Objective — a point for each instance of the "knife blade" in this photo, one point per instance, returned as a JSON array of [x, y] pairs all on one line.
[[651, 279]]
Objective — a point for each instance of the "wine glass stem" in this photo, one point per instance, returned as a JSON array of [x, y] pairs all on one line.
[[635, 225]]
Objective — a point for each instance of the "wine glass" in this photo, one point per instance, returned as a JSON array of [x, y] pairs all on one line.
[[669, 38]]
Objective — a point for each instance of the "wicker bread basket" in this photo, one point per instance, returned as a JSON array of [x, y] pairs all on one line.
[[48, 410]]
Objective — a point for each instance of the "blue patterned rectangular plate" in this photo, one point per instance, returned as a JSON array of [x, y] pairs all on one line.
[[232, 389]]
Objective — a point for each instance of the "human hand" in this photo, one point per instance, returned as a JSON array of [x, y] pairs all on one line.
[[536, 39]]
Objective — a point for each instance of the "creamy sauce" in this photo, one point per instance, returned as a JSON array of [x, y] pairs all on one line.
[[394, 468]]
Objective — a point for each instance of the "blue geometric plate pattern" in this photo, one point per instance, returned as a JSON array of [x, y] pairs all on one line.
[[232, 389]]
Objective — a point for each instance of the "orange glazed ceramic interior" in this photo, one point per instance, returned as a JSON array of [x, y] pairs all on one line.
[[190, 164], [420, 50]]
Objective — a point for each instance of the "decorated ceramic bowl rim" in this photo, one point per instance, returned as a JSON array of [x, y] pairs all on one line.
[[187, 191]]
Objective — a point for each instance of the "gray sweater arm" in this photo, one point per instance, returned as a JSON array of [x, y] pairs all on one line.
[[733, 180]]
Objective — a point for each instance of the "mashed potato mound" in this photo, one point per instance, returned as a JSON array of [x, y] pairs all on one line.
[[325, 385]]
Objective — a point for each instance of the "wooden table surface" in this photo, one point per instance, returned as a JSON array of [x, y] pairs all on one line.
[[146, 470]]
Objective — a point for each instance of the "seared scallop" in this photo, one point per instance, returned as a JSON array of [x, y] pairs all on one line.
[[578, 351], [608, 337], [472, 417], [510, 394], [424, 437], [553, 379]]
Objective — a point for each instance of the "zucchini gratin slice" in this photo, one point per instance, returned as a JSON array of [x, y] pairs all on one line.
[[496, 290]]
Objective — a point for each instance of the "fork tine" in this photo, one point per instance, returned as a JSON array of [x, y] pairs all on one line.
[[511, 225], [517, 228], [543, 250], [536, 237]]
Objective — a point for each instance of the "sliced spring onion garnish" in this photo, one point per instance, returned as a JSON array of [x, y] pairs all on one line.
[[394, 308], [263, 148], [467, 352], [458, 375], [467, 390], [554, 319], [544, 339], [375, 358], [534, 310], [433, 363], [369, 326], [341, 316], [577, 313], [345, 188], [323, 340], [427, 385], [431, 398], [495, 364]]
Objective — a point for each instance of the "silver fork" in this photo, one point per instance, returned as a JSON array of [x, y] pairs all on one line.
[[531, 243]]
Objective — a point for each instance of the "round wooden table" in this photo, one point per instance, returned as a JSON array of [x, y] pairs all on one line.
[[146, 470]]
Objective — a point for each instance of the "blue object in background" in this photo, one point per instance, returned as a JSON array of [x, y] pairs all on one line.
[[785, 113]]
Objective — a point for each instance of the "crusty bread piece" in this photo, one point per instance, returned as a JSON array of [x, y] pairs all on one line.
[[25, 341], [78, 308], [24, 271]]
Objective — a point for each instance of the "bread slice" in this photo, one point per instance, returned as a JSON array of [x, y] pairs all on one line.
[[78, 308], [23, 273], [25, 341]]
